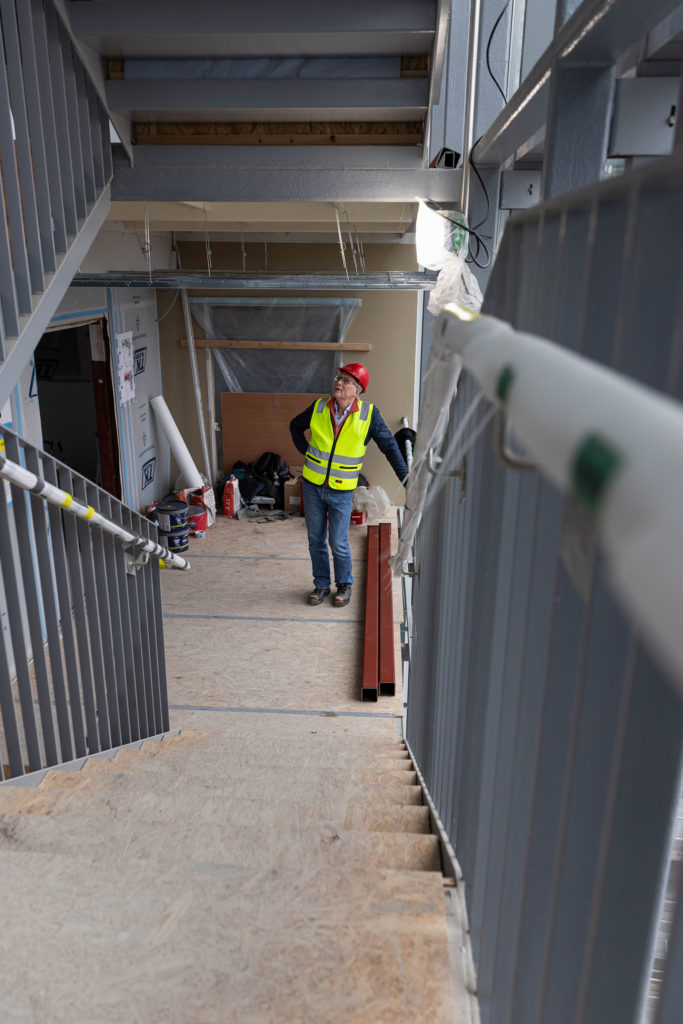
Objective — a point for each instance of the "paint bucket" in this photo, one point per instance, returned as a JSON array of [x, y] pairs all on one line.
[[175, 542], [198, 521], [171, 514]]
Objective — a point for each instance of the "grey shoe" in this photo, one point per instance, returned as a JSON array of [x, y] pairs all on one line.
[[318, 594], [343, 595]]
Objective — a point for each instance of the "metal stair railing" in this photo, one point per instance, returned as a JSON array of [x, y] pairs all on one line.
[[56, 165], [548, 735], [82, 665]]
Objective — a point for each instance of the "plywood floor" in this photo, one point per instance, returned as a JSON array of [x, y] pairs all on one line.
[[272, 863]]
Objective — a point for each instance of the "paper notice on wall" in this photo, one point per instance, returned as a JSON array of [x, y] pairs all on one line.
[[125, 361]]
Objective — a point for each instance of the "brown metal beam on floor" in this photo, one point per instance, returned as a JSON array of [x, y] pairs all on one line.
[[387, 669], [370, 678]]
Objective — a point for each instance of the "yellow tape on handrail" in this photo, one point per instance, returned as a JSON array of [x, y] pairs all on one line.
[[67, 501]]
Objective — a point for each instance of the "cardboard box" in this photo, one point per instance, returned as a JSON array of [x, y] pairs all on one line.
[[292, 492]]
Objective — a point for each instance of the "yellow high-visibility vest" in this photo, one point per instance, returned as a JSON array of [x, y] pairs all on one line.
[[337, 462]]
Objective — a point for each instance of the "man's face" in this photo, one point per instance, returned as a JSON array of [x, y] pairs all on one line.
[[345, 388]]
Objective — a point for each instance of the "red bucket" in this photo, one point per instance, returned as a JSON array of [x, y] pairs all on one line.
[[197, 520]]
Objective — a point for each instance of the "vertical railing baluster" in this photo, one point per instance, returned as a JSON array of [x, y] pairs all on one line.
[[106, 142], [136, 716], [51, 612], [64, 222], [94, 617], [16, 631], [159, 636], [147, 576], [34, 128], [112, 557], [33, 598], [10, 726], [104, 632], [23, 144], [95, 135], [10, 176], [65, 610], [62, 117], [73, 118], [75, 569], [140, 647], [85, 132]]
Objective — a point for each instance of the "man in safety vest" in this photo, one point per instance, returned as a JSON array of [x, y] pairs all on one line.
[[341, 427]]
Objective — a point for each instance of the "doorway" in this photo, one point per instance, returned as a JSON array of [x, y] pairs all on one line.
[[77, 404]]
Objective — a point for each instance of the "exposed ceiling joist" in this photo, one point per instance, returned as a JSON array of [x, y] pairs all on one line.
[[246, 174], [272, 99], [392, 280], [128, 28]]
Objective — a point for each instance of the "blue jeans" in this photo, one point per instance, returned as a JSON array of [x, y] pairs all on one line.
[[323, 505]]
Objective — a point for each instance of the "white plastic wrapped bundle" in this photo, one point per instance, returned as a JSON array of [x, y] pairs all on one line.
[[373, 500], [441, 243]]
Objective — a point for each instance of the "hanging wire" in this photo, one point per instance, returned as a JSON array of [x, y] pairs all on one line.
[[170, 307], [147, 247], [353, 248], [244, 255], [207, 242], [361, 250], [341, 243]]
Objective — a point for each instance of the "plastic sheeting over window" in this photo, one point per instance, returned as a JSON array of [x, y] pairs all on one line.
[[277, 319]]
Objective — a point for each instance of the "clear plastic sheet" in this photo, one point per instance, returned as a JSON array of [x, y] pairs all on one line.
[[274, 319], [286, 319]]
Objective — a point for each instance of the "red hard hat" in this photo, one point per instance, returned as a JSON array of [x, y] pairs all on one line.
[[358, 372]]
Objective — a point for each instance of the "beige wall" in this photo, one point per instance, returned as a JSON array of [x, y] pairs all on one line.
[[387, 320]]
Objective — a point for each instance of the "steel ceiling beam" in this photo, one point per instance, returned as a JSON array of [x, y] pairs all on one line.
[[274, 99], [281, 174], [391, 280], [128, 28]]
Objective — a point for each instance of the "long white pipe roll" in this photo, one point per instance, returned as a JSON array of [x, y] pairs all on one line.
[[556, 402], [190, 474]]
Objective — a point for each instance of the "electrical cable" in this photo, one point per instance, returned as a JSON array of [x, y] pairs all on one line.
[[172, 304], [488, 52], [476, 242]]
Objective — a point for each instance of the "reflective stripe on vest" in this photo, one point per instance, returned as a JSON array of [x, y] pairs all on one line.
[[337, 461]]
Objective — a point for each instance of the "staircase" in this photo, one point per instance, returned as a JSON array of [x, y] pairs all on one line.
[[261, 865]]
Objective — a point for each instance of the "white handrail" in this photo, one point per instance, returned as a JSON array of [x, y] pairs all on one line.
[[614, 444], [62, 499]]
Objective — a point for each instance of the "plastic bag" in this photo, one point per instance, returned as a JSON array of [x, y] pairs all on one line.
[[455, 283], [373, 500], [439, 236]]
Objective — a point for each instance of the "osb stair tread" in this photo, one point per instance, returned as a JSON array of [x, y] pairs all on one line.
[[136, 943], [182, 759], [230, 845], [281, 802], [388, 819]]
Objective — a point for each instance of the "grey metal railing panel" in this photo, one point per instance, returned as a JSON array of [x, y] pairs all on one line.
[[55, 156], [548, 738], [82, 658]]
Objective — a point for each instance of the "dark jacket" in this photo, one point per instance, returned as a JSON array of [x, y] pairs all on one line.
[[379, 433]]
